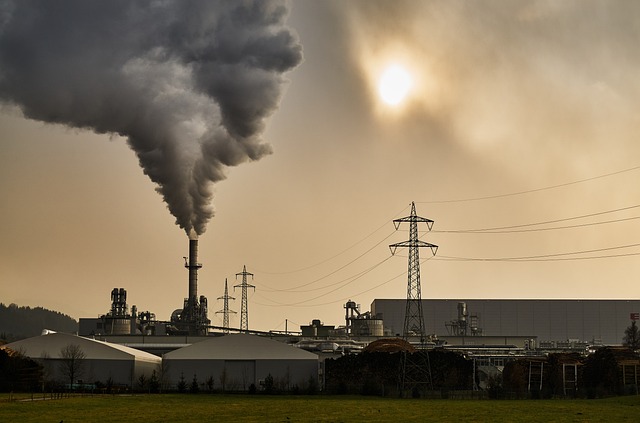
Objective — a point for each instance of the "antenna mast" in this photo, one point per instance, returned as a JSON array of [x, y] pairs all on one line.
[[225, 309], [244, 312]]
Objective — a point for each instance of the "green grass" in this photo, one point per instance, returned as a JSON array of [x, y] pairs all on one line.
[[231, 408]]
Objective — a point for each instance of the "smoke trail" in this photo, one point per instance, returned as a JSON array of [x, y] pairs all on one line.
[[188, 83]]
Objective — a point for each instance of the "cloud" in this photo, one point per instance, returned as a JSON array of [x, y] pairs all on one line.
[[515, 80], [190, 84]]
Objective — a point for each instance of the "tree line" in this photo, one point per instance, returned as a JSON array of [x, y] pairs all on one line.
[[608, 371], [24, 322]]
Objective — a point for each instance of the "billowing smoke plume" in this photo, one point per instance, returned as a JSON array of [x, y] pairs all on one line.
[[188, 83]]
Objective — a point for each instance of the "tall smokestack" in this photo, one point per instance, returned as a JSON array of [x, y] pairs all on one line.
[[193, 267]]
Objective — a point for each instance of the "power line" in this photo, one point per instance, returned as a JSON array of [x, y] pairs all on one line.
[[546, 257], [333, 272], [336, 255], [542, 259], [587, 258], [505, 228], [350, 281], [542, 229], [527, 227], [404, 273], [491, 197], [357, 275]]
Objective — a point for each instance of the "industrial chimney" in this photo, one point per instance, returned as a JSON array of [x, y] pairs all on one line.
[[193, 266], [192, 319]]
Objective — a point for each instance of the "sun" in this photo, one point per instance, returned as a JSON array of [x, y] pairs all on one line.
[[394, 85]]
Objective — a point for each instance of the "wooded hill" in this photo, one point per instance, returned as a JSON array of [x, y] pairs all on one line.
[[24, 322]]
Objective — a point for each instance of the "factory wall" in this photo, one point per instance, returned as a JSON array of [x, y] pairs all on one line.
[[239, 375], [122, 373], [241, 360], [548, 320]]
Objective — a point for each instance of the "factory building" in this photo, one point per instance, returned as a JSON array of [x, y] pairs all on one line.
[[190, 320], [359, 324], [98, 362], [550, 321], [316, 329], [239, 361], [119, 321]]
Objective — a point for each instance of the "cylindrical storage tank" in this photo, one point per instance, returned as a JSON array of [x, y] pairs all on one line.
[[376, 327], [121, 327], [368, 327], [117, 326]]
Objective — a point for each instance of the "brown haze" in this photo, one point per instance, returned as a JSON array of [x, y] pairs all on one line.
[[513, 97]]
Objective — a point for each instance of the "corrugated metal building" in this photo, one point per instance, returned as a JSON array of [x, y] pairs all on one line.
[[102, 361], [235, 362], [548, 320]]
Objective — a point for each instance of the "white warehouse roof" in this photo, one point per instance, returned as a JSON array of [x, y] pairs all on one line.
[[50, 345], [240, 347]]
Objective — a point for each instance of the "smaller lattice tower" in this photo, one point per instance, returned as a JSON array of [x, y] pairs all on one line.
[[244, 311], [225, 308]]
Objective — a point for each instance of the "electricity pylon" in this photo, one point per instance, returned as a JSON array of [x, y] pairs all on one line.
[[415, 369], [225, 308], [244, 311], [413, 318]]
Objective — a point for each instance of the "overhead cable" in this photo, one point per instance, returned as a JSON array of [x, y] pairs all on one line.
[[510, 228], [546, 257], [338, 254], [491, 197]]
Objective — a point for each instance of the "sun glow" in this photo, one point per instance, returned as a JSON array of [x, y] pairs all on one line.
[[394, 85]]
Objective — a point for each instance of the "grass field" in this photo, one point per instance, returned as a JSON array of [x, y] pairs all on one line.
[[241, 408]]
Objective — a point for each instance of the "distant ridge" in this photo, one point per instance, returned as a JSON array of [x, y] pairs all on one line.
[[24, 322]]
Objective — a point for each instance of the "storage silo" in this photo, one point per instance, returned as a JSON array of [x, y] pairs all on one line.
[[367, 326]]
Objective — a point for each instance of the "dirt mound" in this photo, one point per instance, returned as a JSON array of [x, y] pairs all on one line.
[[389, 345]]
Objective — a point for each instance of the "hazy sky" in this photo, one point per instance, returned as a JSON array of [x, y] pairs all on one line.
[[505, 98]]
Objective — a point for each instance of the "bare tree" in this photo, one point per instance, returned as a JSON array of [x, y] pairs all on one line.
[[47, 369], [632, 336], [163, 375], [72, 364], [143, 383], [244, 377], [224, 378]]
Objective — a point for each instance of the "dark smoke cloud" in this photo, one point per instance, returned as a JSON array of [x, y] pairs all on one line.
[[188, 83]]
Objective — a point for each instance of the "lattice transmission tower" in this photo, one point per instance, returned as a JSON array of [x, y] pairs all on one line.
[[415, 368], [244, 310], [413, 318], [225, 308]]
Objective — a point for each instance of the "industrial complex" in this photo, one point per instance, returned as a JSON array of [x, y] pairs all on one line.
[[125, 344], [548, 322]]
